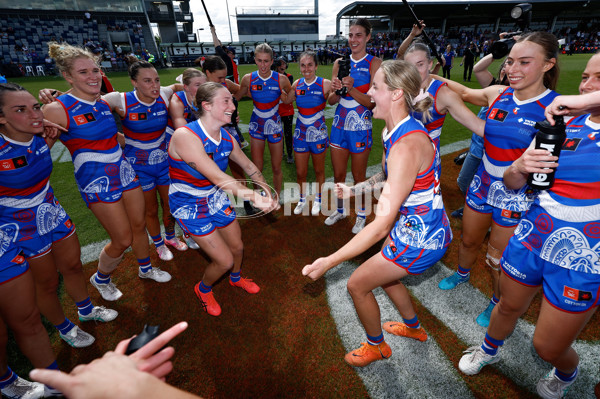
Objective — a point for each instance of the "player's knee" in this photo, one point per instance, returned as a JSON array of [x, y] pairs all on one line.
[[122, 242], [548, 351], [29, 324], [355, 287], [470, 242]]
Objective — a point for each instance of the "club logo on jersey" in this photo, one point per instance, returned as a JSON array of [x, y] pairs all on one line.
[[300, 92], [577, 295], [256, 88], [571, 144], [498, 114], [82, 119], [515, 110], [507, 213], [138, 116], [13, 163], [592, 135]]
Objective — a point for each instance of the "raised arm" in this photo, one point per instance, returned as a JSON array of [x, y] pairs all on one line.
[[574, 105], [450, 101], [481, 97], [483, 75], [415, 31], [216, 40]]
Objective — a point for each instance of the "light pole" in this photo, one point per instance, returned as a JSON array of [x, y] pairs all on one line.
[[229, 20]]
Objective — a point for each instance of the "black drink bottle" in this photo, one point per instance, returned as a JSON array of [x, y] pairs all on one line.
[[549, 138]]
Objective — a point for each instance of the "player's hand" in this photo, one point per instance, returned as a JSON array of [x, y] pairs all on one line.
[[336, 84], [568, 105], [348, 82], [147, 358], [535, 161], [52, 130], [342, 191], [266, 202], [416, 30], [317, 268], [47, 96]]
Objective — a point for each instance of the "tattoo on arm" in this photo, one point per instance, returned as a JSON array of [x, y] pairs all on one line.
[[370, 184]]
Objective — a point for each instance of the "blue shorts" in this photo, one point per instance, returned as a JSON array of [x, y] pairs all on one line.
[[413, 260], [12, 264], [316, 147], [206, 225], [354, 141], [151, 176], [502, 217], [40, 245], [568, 290], [266, 129], [110, 196], [233, 132]]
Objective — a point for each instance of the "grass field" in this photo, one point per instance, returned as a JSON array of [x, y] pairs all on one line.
[[293, 348]]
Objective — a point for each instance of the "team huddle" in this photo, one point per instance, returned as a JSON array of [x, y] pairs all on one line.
[[178, 142]]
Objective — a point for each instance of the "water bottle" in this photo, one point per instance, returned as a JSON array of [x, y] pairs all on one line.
[[549, 138]]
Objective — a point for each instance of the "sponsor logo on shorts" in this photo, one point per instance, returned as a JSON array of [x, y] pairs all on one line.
[[82, 119], [320, 146], [510, 214], [569, 302], [361, 145], [228, 211], [513, 270], [13, 163], [18, 259], [571, 144], [277, 135], [68, 223], [393, 248], [498, 114], [577, 295]]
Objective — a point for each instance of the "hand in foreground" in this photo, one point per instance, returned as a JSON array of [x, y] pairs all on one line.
[[342, 191], [316, 269], [416, 30], [52, 130], [265, 203], [47, 96], [572, 105], [535, 161]]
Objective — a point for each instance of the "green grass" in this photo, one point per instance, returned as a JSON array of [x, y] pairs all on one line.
[[89, 229]]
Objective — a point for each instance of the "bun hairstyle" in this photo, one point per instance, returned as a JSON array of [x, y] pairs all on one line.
[[364, 23], [549, 43], [64, 55], [403, 75], [213, 63], [134, 68], [206, 93], [189, 74]]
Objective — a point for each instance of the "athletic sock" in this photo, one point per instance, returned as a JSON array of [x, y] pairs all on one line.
[[412, 323], [169, 235], [318, 198], [235, 277], [494, 301], [302, 197], [85, 307], [205, 289], [566, 377], [65, 326], [375, 340], [53, 366], [462, 272], [340, 205], [102, 278], [145, 265], [361, 213], [7, 378], [491, 345], [158, 240]]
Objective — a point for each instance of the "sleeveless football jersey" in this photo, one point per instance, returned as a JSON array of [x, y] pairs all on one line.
[[436, 122], [310, 101], [349, 114]]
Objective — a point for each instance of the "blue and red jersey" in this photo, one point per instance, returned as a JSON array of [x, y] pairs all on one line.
[[265, 94], [91, 138], [191, 194], [436, 122], [188, 113], [563, 224], [144, 128], [509, 130], [27, 201], [349, 114], [310, 101], [423, 222]]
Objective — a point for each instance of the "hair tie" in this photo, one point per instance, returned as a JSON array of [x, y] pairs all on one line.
[[421, 96], [179, 78]]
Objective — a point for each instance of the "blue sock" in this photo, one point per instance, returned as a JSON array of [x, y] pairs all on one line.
[[235, 277], [65, 326], [85, 307], [375, 340], [318, 198], [102, 278], [491, 345], [566, 377], [361, 213], [53, 366], [302, 197], [462, 272], [158, 240], [7, 378], [340, 205], [412, 323], [145, 265], [170, 235], [205, 289]]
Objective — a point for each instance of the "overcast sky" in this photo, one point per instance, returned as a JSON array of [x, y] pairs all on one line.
[[328, 10]]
